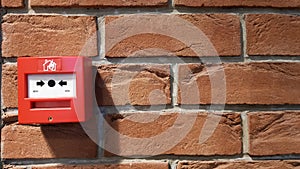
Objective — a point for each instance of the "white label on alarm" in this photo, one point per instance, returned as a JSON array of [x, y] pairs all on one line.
[[51, 85]]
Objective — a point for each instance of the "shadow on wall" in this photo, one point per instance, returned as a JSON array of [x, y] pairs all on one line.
[[69, 140], [102, 93], [103, 98], [75, 140]]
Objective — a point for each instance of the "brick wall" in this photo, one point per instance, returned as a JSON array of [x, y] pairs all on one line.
[[179, 84]]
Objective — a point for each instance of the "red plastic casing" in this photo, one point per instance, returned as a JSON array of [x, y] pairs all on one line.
[[55, 110]]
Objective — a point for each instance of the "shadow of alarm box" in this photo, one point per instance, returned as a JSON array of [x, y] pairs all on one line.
[[54, 89]]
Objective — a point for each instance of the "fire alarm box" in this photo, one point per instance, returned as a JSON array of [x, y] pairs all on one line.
[[54, 89]]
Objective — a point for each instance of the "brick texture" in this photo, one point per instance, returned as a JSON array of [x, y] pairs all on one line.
[[53, 141], [9, 86], [157, 104], [98, 3], [179, 35], [274, 133], [239, 165], [48, 35], [273, 34], [133, 84], [246, 83], [12, 3], [225, 138], [238, 3], [133, 165]]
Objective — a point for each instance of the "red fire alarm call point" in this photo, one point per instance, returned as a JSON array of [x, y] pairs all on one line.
[[54, 89]]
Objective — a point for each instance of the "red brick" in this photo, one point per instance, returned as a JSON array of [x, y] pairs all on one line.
[[10, 86], [273, 34], [48, 35], [133, 165], [98, 3], [274, 133], [238, 3], [172, 133], [133, 84], [246, 83], [12, 3], [275, 164], [53, 141], [222, 30]]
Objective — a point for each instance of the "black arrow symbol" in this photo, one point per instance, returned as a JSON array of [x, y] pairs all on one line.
[[41, 83], [62, 83]]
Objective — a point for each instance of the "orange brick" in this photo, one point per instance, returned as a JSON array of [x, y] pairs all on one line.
[[10, 85], [133, 165], [275, 164], [220, 35], [53, 141], [273, 34], [98, 3], [185, 128], [12, 3], [133, 84], [239, 3], [274, 133], [243, 83], [49, 35]]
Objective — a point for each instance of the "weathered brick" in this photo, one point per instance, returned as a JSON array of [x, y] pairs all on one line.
[[275, 164], [274, 133], [273, 34], [238, 3], [173, 133], [124, 165], [181, 35], [98, 3], [9, 86], [12, 3], [133, 84], [53, 141], [49, 35], [243, 83]]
